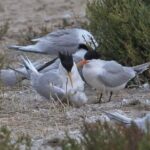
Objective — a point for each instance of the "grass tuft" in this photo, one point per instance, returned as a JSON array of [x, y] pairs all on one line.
[[30, 33], [100, 136], [7, 143], [4, 29]]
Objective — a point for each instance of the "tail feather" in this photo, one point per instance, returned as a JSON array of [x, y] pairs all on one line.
[[28, 48], [141, 68], [36, 40], [28, 65], [119, 117]]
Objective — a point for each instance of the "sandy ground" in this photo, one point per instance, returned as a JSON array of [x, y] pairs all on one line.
[[21, 108]]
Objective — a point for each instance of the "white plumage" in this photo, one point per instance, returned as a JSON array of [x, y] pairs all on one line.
[[110, 76]]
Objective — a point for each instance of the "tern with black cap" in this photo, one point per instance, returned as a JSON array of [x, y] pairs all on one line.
[[108, 76], [64, 40], [62, 82]]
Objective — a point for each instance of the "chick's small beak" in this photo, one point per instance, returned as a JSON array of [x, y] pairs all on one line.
[[70, 78]]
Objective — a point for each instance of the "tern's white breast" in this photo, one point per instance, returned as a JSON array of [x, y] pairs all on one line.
[[91, 72]]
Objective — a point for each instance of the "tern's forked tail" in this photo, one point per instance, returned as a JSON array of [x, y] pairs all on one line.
[[141, 68], [28, 65]]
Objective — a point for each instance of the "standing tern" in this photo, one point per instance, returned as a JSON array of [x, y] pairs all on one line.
[[64, 81], [69, 40], [108, 76]]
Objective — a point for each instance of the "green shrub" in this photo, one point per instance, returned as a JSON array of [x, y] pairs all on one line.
[[7, 143], [104, 137], [122, 29]]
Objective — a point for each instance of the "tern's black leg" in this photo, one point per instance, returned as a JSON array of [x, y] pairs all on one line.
[[100, 98], [111, 93]]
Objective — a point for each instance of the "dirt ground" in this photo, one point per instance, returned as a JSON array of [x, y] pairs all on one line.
[[21, 108]]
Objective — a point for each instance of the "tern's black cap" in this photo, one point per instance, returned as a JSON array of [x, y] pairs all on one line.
[[66, 61], [91, 55], [83, 46]]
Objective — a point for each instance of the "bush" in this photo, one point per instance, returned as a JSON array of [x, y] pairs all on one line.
[[7, 143], [122, 29], [104, 137]]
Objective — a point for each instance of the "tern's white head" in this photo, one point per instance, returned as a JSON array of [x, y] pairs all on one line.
[[86, 37]]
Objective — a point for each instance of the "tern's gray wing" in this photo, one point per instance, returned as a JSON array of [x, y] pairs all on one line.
[[62, 40], [119, 117], [51, 77], [54, 34], [114, 74], [43, 85]]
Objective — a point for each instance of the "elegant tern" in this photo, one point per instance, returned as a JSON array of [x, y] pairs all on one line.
[[64, 40], [108, 76], [62, 82]]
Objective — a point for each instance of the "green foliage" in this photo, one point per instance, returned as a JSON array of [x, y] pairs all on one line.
[[7, 143], [104, 137], [122, 29]]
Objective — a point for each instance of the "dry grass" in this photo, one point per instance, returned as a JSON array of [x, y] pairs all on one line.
[[26, 35], [4, 29]]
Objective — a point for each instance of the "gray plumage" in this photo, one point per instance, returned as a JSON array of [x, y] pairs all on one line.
[[55, 83], [115, 74], [110, 75], [142, 123], [8, 77], [59, 41], [47, 84], [11, 77]]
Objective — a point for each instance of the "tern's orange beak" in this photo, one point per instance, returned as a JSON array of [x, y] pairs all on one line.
[[70, 78], [82, 63]]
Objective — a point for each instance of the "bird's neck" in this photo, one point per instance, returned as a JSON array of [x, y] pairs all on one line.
[[75, 78], [64, 77]]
